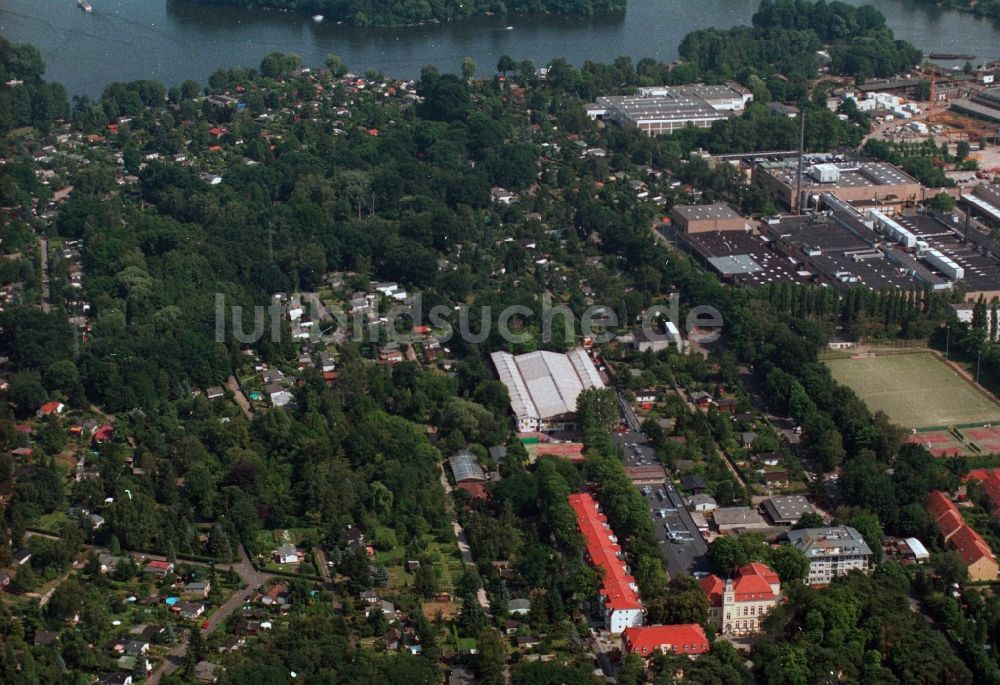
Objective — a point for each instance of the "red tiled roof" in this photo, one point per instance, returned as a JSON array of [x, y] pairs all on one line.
[[949, 523], [971, 546], [758, 569], [617, 583], [163, 565], [50, 407], [990, 479], [713, 586], [104, 433], [475, 490], [938, 503], [752, 587], [685, 638], [571, 450]]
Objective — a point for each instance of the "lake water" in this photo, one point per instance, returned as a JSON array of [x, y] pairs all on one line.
[[171, 40]]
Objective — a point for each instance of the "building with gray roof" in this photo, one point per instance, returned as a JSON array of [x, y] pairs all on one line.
[[465, 467], [544, 386], [832, 552], [786, 510]]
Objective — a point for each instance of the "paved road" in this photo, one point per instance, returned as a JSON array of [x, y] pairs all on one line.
[[249, 575]]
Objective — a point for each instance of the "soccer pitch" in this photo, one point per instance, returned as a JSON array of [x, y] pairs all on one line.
[[916, 390]]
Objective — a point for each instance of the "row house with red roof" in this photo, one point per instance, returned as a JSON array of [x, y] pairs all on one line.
[[736, 606], [974, 551], [620, 601]]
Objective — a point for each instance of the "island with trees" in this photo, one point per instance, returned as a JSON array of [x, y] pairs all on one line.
[[406, 12]]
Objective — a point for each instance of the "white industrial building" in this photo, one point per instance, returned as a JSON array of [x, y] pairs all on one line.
[[665, 109], [543, 386]]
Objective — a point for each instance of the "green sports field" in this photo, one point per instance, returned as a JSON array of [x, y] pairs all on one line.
[[916, 390]]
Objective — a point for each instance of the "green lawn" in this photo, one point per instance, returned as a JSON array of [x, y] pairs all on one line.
[[916, 390]]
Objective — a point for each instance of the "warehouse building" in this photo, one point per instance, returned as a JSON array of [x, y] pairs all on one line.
[[667, 109], [786, 510], [985, 105], [741, 258], [876, 182], [544, 386], [984, 200], [704, 218]]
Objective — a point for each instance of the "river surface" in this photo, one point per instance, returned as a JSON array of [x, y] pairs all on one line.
[[172, 40]]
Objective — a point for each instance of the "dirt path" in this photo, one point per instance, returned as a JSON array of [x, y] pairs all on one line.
[[464, 550], [240, 397]]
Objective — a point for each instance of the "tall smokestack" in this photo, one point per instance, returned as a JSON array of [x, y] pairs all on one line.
[[802, 150]]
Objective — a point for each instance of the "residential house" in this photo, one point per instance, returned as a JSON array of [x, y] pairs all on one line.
[[287, 554], [775, 479], [232, 643], [50, 409], [117, 678], [190, 610], [108, 562], [519, 607], [684, 638], [198, 588], [732, 519], [693, 484], [975, 552], [45, 638], [276, 596], [737, 605], [22, 556], [159, 568], [528, 642], [702, 502], [831, 552], [619, 596]]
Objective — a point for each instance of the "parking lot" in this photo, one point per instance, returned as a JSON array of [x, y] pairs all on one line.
[[680, 542]]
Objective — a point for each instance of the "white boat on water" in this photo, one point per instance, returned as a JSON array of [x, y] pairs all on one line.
[[509, 28], [85, 6], [318, 18]]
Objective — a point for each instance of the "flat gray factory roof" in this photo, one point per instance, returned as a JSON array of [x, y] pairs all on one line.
[[719, 210]]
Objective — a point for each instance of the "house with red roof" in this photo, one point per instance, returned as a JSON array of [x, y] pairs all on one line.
[[619, 592], [973, 549], [736, 606], [104, 433], [50, 408], [160, 568], [989, 479], [683, 638]]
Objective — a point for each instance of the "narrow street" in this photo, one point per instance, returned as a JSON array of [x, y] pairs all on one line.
[[463, 542], [251, 577], [174, 659], [43, 249]]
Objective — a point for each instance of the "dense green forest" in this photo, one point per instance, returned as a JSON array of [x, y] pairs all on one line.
[[402, 12]]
